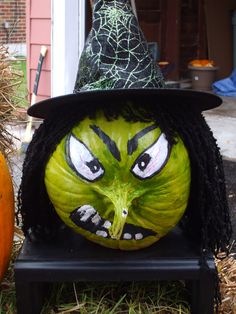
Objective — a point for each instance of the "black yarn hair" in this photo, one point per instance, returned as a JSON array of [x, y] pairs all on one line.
[[206, 218]]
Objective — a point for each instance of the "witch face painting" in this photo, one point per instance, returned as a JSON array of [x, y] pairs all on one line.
[[123, 160], [105, 177]]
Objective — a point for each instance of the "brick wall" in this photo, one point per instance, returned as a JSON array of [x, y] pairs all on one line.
[[12, 13]]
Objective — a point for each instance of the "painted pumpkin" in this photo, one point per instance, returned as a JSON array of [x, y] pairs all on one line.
[[6, 215], [118, 183]]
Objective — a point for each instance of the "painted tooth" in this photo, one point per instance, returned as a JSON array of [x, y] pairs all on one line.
[[84, 208], [85, 212], [107, 224], [101, 233], [127, 236], [96, 219], [138, 236]]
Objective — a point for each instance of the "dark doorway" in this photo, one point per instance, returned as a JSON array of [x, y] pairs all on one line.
[[175, 29]]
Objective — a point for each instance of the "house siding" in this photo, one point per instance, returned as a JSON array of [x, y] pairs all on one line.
[[38, 33]]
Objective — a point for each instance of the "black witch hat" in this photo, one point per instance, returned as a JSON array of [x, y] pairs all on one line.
[[116, 65]]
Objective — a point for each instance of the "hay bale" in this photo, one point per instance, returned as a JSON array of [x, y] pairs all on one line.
[[226, 266], [9, 82]]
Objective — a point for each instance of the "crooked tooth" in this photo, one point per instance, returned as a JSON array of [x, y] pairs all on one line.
[[127, 236], [85, 212], [96, 219], [107, 224], [138, 236], [101, 233]]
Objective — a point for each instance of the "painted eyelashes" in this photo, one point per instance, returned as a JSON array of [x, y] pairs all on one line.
[[88, 218], [88, 167]]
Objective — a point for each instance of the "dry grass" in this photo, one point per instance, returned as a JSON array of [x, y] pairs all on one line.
[[227, 273], [119, 298], [10, 80]]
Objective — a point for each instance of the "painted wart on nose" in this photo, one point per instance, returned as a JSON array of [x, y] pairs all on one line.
[[124, 212]]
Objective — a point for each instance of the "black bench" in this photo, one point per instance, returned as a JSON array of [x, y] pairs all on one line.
[[72, 258]]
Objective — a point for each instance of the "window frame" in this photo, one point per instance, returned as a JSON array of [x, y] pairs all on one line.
[[68, 37]]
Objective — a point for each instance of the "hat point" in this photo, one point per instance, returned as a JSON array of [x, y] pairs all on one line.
[[116, 53]]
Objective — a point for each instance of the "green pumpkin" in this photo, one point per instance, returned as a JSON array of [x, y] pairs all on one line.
[[118, 183]]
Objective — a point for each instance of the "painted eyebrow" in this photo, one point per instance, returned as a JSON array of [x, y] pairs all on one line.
[[106, 140], [132, 144]]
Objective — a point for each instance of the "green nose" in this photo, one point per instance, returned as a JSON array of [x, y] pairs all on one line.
[[118, 224], [119, 198]]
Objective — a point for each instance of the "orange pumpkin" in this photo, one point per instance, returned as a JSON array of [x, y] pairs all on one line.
[[202, 63], [6, 215]]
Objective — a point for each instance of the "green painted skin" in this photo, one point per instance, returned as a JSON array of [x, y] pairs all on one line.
[[155, 203]]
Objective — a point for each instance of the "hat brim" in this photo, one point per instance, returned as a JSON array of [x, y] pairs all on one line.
[[194, 99]]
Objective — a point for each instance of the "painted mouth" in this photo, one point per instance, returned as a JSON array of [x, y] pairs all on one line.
[[87, 217]]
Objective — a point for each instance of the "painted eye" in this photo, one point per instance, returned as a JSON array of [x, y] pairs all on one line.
[[152, 160], [82, 161]]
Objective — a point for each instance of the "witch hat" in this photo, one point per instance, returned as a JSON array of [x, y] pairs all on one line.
[[116, 64]]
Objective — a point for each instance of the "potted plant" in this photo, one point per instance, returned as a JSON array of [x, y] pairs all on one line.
[[203, 73]]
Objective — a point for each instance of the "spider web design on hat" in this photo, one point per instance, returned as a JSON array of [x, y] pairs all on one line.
[[116, 54]]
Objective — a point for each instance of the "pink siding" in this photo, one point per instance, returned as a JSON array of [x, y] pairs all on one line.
[[41, 9], [38, 33]]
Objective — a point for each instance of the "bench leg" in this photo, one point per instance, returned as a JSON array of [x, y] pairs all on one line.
[[29, 297], [202, 295]]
